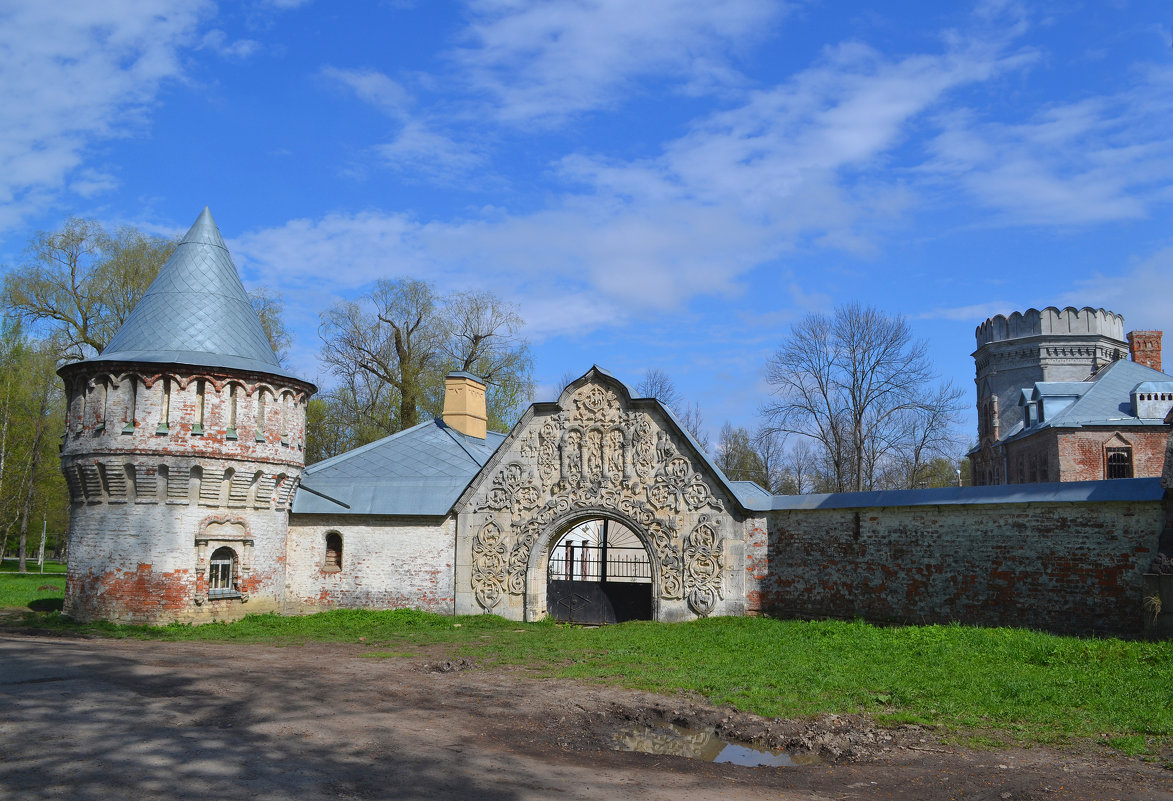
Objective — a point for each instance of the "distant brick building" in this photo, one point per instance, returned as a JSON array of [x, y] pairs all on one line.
[[1058, 399]]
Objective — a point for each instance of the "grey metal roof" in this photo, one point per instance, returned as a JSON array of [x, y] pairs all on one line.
[[196, 312], [1105, 400], [1122, 489], [419, 471]]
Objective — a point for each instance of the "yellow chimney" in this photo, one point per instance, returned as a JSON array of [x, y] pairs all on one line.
[[464, 404]]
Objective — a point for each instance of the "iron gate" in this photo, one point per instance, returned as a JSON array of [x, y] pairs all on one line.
[[597, 584]]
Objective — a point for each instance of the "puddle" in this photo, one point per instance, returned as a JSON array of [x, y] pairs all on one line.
[[707, 746]]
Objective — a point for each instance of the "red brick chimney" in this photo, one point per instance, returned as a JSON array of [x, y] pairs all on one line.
[[1145, 348]]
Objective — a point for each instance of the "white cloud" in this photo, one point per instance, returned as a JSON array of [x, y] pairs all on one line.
[[216, 40], [633, 239], [1097, 159], [971, 313], [73, 72], [417, 146], [1140, 291], [374, 87], [545, 60]]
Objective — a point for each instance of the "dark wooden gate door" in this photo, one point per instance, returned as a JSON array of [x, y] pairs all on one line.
[[597, 584]]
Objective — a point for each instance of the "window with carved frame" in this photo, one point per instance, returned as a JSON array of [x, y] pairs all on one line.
[[1118, 463]]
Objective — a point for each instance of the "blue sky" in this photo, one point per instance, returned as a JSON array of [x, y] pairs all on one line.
[[661, 183]]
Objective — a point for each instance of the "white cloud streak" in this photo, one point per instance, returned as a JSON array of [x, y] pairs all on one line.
[[1097, 159], [637, 238], [545, 60], [73, 72]]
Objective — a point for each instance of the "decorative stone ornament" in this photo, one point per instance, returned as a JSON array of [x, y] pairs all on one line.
[[596, 453]]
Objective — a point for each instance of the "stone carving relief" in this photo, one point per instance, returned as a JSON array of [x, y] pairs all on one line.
[[595, 455]]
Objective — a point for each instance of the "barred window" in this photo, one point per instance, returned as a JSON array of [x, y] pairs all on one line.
[[1119, 463], [222, 574]]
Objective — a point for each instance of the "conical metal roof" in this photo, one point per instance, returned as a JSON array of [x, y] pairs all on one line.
[[196, 312]]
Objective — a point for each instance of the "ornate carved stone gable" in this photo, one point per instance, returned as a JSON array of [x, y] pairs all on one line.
[[595, 454]]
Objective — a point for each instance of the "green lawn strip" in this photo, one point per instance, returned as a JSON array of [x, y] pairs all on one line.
[[13, 566], [999, 685], [23, 589]]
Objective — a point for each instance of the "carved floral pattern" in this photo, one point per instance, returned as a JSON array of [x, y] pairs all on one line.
[[703, 559], [488, 564], [595, 455]]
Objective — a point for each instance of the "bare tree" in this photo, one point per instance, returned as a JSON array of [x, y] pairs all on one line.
[[659, 385], [769, 446], [737, 458], [694, 423], [270, 308], [849, 382]]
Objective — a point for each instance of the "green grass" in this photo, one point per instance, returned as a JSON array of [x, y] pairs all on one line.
[[21, 590], [12, 565], [990, 686]]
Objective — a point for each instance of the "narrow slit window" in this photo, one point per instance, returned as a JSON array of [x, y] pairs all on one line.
[[197, 427], [231, 433], [333, 561], [260, 415], [131, 403], [164, 408]]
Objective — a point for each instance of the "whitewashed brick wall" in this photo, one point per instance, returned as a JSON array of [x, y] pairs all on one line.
[[387, 563]]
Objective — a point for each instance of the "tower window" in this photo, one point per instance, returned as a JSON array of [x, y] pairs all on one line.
[[333, 561], [222, 574], [1119, 463]]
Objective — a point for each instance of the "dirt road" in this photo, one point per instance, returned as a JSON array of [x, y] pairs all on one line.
[[102, 719]]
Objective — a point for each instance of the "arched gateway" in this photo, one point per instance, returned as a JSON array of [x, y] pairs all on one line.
[[597, 454]]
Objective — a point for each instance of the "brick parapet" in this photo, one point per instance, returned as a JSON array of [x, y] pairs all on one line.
[[117, 408]]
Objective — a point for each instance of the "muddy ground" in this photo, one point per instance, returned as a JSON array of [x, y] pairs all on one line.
[[104, 719]]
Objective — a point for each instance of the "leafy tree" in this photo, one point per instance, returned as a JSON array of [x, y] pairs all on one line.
[[860, 387], [737, 458], [31, 425], [79, 284], [391, 350]]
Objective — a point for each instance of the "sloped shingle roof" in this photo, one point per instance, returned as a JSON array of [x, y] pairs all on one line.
[[1105, 400], [418, 471], [196, 312]]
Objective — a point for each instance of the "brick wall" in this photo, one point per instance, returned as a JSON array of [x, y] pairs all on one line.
[[1072, 567], [1081, 452], [161, 472], [387, 563]]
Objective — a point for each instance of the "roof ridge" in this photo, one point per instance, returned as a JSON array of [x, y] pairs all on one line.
[[448, 430]]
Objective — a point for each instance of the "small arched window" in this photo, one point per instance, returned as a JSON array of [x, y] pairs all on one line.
[[222, 574], [1119, 463], [333, 561]]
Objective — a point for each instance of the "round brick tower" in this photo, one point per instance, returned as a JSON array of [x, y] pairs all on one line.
[[184, 442]]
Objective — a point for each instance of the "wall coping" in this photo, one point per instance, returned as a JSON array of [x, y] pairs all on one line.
[[1116, 490]]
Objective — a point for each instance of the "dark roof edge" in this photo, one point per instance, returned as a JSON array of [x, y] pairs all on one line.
[[243, 365], [1115, 490]]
